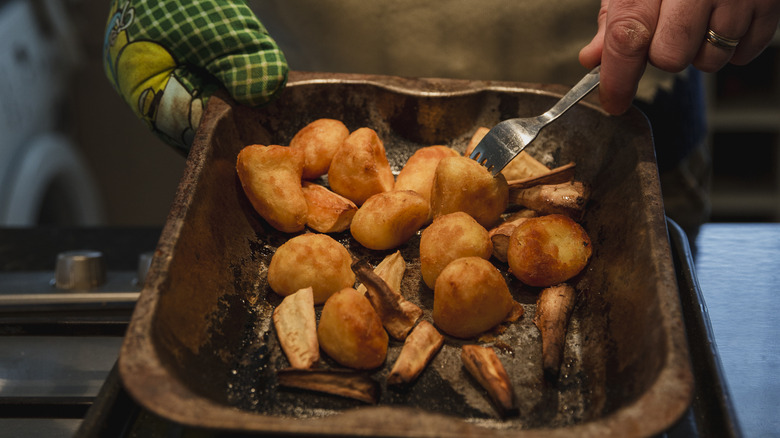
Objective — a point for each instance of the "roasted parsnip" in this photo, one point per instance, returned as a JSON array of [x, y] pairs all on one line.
[[419, 348], [568, 198], [341, 382], [296, 328], [499, 236], [553, 310], [397, 314], [485, 366]]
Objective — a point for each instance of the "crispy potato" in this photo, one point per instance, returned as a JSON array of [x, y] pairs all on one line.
[[462, 184], [470, 297], [417, 173], [359, 168], [387, 220], [548, 250], [319, 141], [350, 331], [328, 211], [296, 328], [271, 179], [522, 166], [451, 237], [311, 260]]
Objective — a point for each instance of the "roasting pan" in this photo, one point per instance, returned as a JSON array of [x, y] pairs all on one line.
[[201, 349]]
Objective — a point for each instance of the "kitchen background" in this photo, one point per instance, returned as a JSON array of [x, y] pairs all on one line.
[[71, 152]]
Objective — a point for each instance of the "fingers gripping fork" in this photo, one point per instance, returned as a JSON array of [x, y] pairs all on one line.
[[510, 137]]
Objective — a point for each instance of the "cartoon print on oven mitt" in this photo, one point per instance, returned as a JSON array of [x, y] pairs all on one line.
[[165, 58]]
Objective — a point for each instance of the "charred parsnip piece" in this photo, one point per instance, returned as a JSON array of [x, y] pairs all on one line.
[[567, 198], [296, 328], [553, 309], [419, 348], [558, 175], [499, 235], [485, 366], [391, 269], [397, 314], [522, 166], [341, 382]]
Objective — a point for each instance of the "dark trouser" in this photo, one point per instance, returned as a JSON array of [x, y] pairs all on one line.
[[678, 120]]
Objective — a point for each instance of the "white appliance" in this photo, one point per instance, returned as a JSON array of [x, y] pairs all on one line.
[[43, 178]]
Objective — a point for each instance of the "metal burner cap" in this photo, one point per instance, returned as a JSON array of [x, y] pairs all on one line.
[[80, 270]]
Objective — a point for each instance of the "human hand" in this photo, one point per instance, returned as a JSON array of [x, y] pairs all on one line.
[[671, 35], [166, 58]]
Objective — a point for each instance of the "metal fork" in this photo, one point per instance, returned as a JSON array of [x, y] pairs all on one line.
[[510, 137]]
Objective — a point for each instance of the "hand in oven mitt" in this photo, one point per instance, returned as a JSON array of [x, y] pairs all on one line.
[[165, 58]]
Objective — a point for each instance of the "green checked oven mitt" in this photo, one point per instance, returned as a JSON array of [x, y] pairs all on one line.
[[165, 58]]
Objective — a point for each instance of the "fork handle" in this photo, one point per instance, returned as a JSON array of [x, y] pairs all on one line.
[[583, 87]]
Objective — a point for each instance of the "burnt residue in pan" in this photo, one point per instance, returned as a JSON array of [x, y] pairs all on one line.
[[444, 387]]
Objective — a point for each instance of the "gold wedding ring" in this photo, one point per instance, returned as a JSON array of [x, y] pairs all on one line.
[[720, 41]]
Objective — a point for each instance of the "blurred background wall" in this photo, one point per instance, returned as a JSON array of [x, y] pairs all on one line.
[[56, 102]]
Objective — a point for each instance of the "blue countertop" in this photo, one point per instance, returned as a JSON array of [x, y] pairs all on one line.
[[738, 268]]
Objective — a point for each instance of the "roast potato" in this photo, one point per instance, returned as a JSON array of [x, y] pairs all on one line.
[[319, 141], [311, 260], [350, 331], [547, 250], [470, 297], [359, 168], [271, 179], [328, 212], [462, 184], [417, 173], [388, 219], [451, 237]]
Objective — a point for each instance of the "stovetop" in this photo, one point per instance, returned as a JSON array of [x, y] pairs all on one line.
[[58, 356]]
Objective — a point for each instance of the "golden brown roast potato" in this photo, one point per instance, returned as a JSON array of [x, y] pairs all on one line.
[[462, 184], [470, 297], [547, 250], [359, 168], [448, 238], [271, 179], [350, 331], [328, 211], [311, 260], [296, 328], [522, 166], [388, 219], [417, 173], [319, 141]]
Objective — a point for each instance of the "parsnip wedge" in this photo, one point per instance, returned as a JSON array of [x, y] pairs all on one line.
[[522, 166], [419, 348], [397, 314], [499, 236], [567, 198], [558, 175], [296, 328], [391, 269], [485, 366], [553, 310], [341, 382]]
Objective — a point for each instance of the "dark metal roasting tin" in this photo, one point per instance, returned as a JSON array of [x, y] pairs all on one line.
[[201, 349]]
